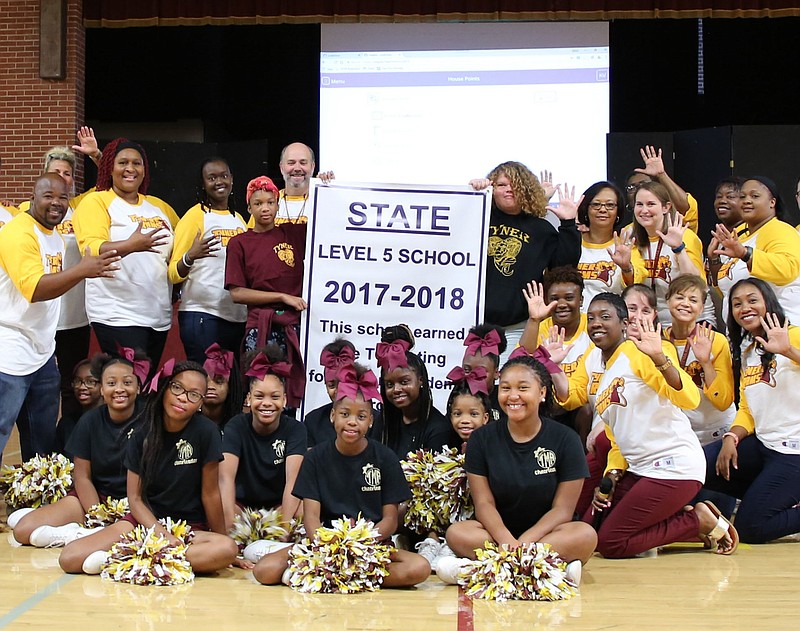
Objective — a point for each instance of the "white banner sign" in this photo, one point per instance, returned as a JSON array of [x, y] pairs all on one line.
[[384, 254]]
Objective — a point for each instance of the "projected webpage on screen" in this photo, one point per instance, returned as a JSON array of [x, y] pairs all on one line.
[[446, 116]]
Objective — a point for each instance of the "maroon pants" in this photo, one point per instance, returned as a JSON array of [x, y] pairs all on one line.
[[646, 513], [597, 461]]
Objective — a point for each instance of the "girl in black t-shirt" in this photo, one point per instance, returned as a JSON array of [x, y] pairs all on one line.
[[224, 397], [173, 471], [85, 396], [485, 343], [97, 446], [333, 482], [525, 476], [410, 421]]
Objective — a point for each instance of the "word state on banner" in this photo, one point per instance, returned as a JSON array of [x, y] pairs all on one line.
[[385, 254]]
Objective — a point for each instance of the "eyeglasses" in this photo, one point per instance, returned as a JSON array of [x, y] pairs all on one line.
[[177, 389], [89, 382], [599, 205]]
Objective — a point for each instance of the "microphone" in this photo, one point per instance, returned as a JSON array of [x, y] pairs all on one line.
[[604, 490]]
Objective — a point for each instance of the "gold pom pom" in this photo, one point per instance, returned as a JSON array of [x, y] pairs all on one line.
[[106, 513], [36, 482]]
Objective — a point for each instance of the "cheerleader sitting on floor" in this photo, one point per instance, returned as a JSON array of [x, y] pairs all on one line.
[[351, 476]]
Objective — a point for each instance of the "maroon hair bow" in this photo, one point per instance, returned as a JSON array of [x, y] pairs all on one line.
[[488, 344], [333, 363], [350, 384], [392, 355], [261, 367], [219, 362], [541, 354], [165, 371], [475, 379], [141, 367]]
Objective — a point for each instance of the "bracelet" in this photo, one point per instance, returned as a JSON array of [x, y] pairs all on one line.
[[716, 261], [615, 474], [734, 436], [628, 271], [186, 262], [665, 366], [679, 249], [748, 254]]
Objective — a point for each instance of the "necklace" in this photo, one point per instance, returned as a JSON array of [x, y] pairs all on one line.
[[299, 214]]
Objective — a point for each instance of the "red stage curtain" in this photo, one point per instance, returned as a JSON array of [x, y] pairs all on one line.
[[111, 13]]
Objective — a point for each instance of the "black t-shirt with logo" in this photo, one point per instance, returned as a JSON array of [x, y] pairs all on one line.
[[523, 477], [177, 489], [319, 427], [261, 476], [437, 434], [349, 485], [103, 443]]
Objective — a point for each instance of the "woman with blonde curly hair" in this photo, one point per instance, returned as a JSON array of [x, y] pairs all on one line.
[[522, 242]]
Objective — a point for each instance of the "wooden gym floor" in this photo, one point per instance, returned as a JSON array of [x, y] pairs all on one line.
[[683, 587]]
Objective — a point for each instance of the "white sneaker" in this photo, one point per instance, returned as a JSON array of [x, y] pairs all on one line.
[[429, 548], [93, 564], [449, 569], [13, 518], [85, 532], [258, 549], [574, 571], [54, 536], [444, 553]]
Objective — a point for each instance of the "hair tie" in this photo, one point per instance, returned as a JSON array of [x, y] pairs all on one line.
[[261, 183], [141, 367], [261, 366], [475, 379], [219, 362], [350, 384], [486, 345], [333, 362], [391, 355], [165, 371]]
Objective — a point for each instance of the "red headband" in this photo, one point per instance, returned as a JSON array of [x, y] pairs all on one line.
[[350, 384], [541, 354], [475, 379], [334, 363], [392, 355], [261, 367], [261, 183], [166, 371], [488, 344], [219, 362], [141, 367]]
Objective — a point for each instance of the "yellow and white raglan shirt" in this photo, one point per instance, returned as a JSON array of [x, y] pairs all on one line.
[[776, 260], [769, 400], [658, 274], [584, 380], [645, 416], [73, 303], [28, 251], [291, 209], [580, 342], [713, 417], [140, 293], [204, 288], [599, 272], [7, 214]]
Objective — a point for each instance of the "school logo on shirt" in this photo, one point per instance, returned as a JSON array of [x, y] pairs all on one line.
[[546, 459], [569, 367], [185, 453], [752, 375], [65, 227], [726, 270], [372, 477], [695, 371], [55, 263], [663, 268], [225, 235], [504, 251], [279, 446], [599, 270], [611, 396], [285, 253], [155, 223], [594, 382]]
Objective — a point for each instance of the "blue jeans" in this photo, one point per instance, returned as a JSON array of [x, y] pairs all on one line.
[[200, 330], [767, 482], [39, 392]]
